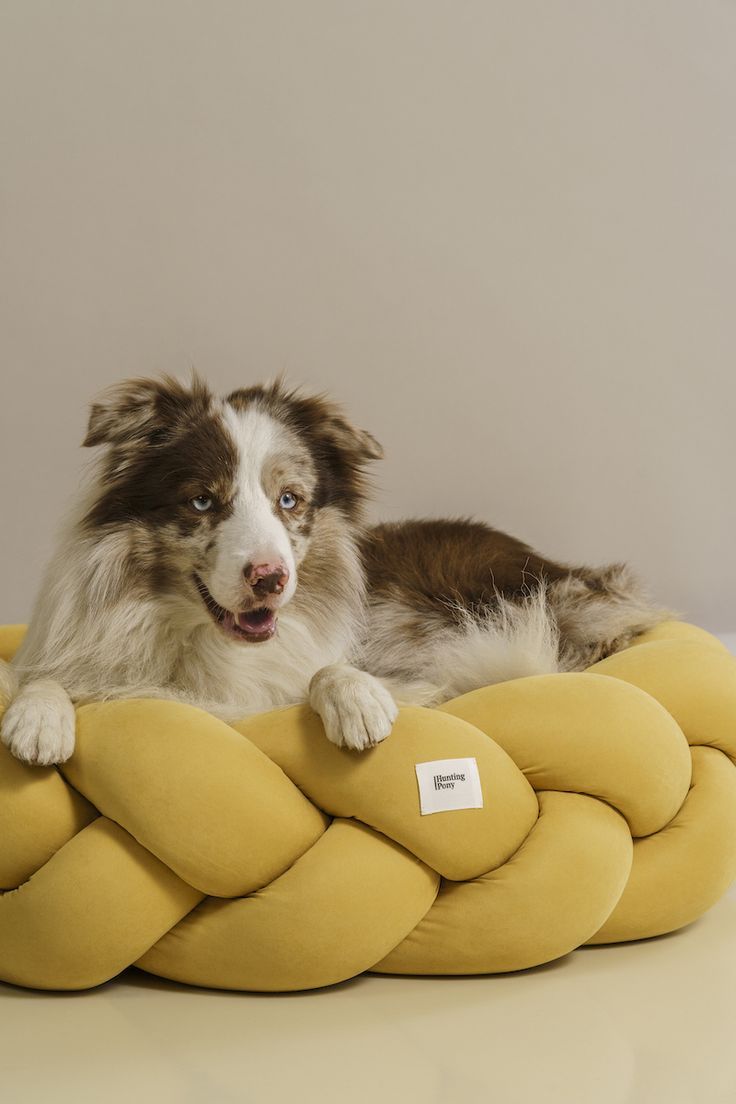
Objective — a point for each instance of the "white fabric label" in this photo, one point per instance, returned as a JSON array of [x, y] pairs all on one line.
[[448, 784]]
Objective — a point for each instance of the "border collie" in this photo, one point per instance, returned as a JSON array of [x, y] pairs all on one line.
[[218, 555]]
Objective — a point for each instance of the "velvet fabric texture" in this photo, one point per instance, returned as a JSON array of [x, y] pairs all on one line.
[[259, 856]]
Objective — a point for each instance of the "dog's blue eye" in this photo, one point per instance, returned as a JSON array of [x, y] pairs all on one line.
[[287, 501], [201, 503]]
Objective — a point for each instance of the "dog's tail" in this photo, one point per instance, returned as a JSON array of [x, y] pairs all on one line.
[[518, 637]]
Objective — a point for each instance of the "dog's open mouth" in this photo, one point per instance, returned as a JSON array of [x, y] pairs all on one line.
[[254, 625]]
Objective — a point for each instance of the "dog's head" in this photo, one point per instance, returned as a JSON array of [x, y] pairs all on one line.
[[219, 497]]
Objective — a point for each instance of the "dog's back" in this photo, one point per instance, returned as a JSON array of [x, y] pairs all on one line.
[[458, 604]]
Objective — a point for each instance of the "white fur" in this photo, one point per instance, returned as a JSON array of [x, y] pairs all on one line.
[[252, 534], [168, 647], [8, 681]]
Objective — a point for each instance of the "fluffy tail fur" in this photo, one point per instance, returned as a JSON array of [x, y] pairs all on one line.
[[565, 625]]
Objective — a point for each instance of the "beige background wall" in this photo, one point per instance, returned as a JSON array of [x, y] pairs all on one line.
[[504, 234]]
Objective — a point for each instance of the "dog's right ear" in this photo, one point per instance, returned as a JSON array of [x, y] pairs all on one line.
[[136, 409], [121, 412]]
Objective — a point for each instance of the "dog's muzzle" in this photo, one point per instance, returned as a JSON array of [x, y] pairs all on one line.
[[252, 626]]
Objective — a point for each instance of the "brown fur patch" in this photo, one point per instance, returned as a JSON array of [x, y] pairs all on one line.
[[431, 565]]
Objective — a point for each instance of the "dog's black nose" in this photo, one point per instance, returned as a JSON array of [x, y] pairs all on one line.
[[267, 578]]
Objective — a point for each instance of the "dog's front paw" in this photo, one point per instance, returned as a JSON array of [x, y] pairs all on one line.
[[356, 710], [39, 724]]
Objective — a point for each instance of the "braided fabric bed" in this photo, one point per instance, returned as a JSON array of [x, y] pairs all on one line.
[[259, 856]]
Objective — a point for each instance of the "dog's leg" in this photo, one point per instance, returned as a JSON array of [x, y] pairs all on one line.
[[8, 681], [39, 724], [599, 611], [356, 709]]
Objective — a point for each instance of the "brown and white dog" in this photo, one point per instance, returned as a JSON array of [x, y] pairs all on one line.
[[219, 556]]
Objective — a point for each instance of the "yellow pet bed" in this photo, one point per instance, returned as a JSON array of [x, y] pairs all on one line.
[[259, 856]]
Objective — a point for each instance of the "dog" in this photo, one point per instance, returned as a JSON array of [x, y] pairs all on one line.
[[218, 555]]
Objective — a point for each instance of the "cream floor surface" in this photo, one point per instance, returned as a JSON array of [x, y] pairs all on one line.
[[640, 1023]]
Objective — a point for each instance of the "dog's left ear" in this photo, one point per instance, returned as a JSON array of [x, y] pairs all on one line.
[[341, 451], [318, 417], [325, 423], [347, 437]]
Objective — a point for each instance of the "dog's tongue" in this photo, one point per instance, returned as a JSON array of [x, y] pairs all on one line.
[[255, 621]]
